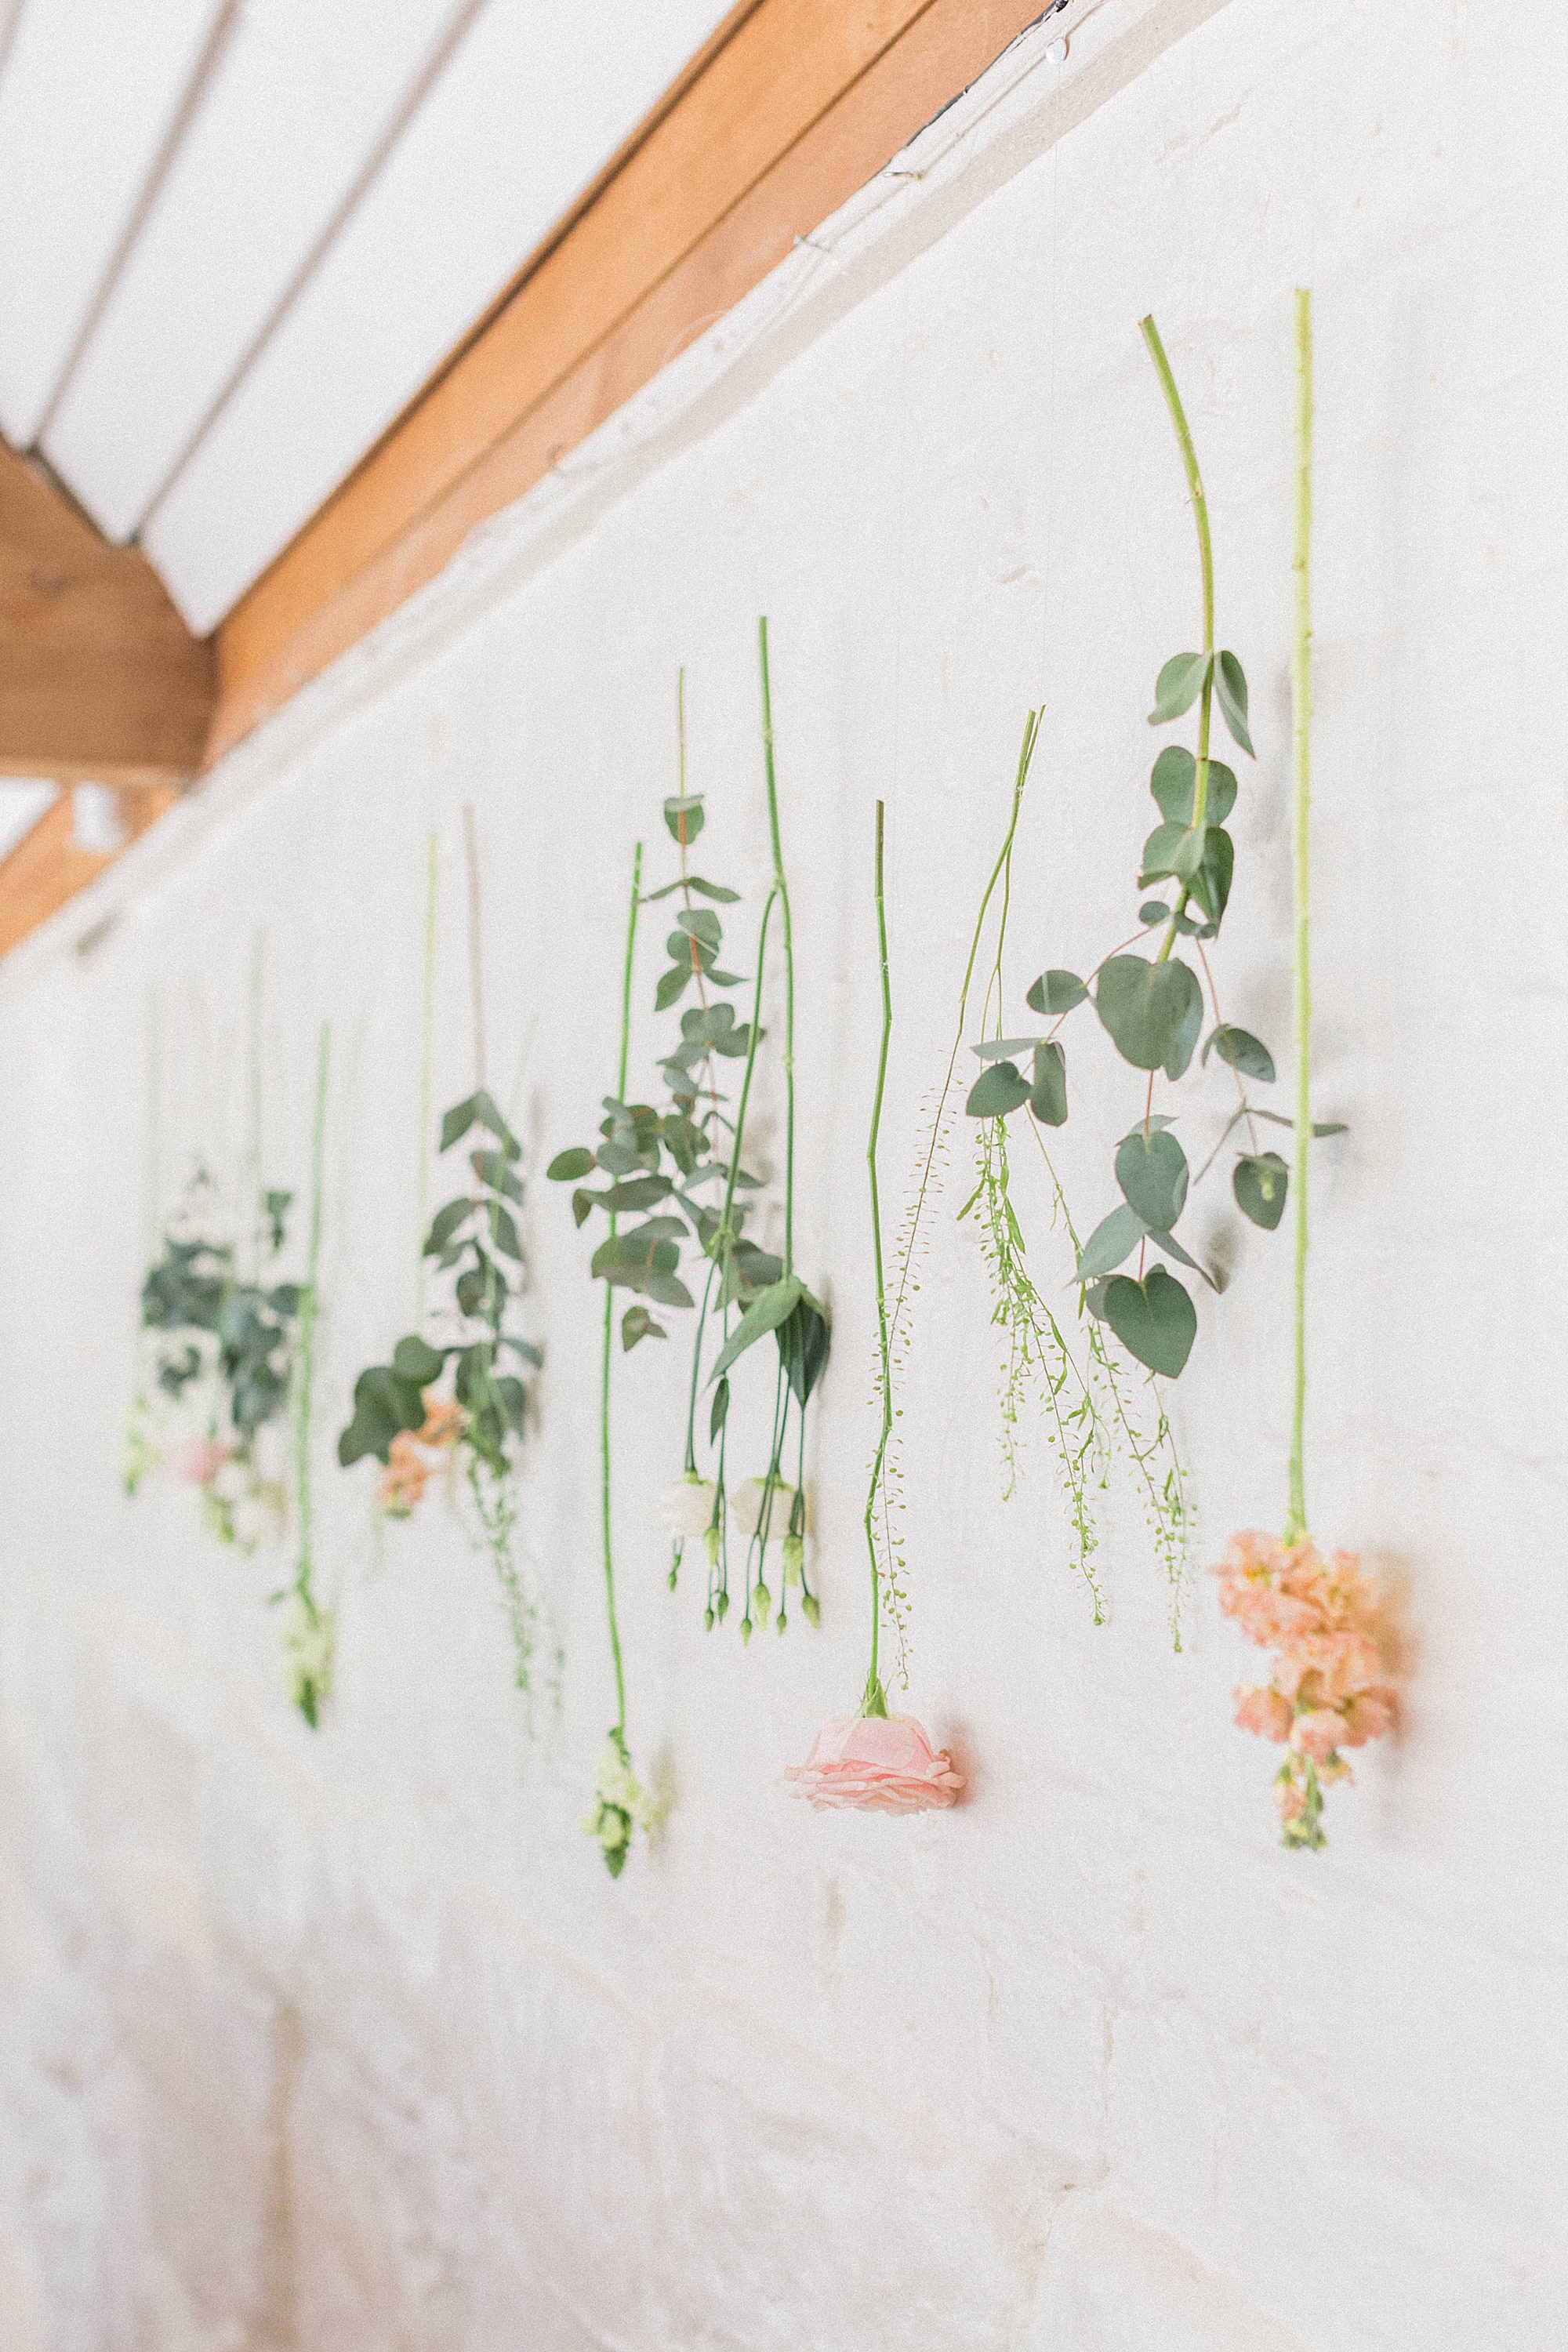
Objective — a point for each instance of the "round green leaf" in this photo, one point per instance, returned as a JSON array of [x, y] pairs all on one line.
[[1174, 782], [1109, 1242], [1178, 687], [1048, 1097], [1055, 991], [567, 1166], [1242, 1050], [412, 1359], [1155, 1319], [1148, 1008], [1260, 1184], [1152, 1170], [1230, 685], [996, 1091]]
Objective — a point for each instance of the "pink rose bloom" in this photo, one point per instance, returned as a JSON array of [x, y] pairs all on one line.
[[878, 1764], [1264, 1711], [1317, 1734], [198, 1462]]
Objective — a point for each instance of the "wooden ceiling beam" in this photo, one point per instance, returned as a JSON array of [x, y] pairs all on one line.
[[793, 107], [100, 681]]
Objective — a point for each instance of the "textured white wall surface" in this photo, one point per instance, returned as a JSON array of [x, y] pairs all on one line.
[[344, 2041]]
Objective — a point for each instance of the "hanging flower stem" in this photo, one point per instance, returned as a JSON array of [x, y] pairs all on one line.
[[609, 1323], [1301, 725], [1150, 334], [875, 1700], [780, 891], [426, 1058], [310, 1638]]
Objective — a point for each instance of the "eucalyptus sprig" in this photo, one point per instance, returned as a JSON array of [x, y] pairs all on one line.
[[663, 1166], [1151, 1008]]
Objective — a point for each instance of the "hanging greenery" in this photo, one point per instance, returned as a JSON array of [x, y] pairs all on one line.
[[308, 1629], [681, 1171], [1331, 1684], [453, 1396], [1151, 1008], [872, 1761]]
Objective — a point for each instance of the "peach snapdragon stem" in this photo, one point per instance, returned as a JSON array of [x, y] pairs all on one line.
[[1150, 334], [1301, 722], [610, 1316], [781, 892], [875, 1702]]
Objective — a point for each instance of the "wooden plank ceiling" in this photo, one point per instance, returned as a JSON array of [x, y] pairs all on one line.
[[345, 283]]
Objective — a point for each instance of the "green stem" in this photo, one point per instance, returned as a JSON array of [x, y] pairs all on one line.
[[1301, 717], [874, 1702], [426, 1055], [609, 1318], [1026, 755], [1205, 554], [780, 891], [307, 1356], [739, 1133]]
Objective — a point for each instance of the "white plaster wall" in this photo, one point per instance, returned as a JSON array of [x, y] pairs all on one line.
[[346, 2042]]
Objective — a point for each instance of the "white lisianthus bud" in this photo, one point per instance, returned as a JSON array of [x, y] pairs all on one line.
[[746, 1503], [795, 1555], [686, 1506]]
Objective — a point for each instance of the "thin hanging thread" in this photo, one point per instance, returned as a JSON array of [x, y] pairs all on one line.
[[1301, 715], [427, 1057], [475, 955]]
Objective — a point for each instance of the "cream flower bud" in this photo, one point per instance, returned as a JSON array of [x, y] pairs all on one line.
[[747, 1503], [686, 1505]]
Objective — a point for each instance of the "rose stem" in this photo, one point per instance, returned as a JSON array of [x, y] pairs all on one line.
[[1301, 719], [874, 1702]]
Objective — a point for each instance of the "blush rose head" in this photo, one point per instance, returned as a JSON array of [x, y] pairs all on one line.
[[875, 1764]]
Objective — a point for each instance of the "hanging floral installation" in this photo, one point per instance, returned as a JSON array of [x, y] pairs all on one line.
[[218, 1329], [870, 1761], [452, 1401], [308, 1627], [1331, 1684], [683, 1169]]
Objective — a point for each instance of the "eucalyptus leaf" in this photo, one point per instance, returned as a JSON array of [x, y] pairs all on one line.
[[1055, 991], [1048, 1096], [1155, 1319], [1260, 1183], [1181, 1053], [994, 1048], [567, 1166], [1154, 1175], [1325, 1127], [637, 1324], [1178, 687], [637, 1192], [716, 1418], [1109, 1242], [1173, 1248], [494, 1168], [688, 812], [1147, 1008], [1210, 884], [1230, 686], [763, 1316], [667, 1290], [478, 1111], [413, 1360], [700, 923], [672, 984], [1154, 910], [1242, 1050], [445, 1223], [997, 1090], [1174, 782]]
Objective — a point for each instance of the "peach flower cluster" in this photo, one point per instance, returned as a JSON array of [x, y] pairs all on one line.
[[413, 1457], [1330, 1687], [878, 1764]]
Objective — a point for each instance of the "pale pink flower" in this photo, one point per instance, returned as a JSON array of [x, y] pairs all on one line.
[[1291, 1799], [1368, 1714], [1316, 1733], [878, 1764], [198, 1462], [1264, 1711]]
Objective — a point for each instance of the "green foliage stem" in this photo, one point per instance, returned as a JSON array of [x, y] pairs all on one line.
[[875, 1701], [1301, 719], [311, 1677], [1150, 334], [606, 1355]]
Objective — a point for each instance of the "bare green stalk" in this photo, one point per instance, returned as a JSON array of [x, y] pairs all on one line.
[[609, 1317], [1301, 715], [875, 1701], [1205, 555]]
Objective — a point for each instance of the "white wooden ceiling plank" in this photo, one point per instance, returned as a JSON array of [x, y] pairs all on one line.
[[535, 100], [92, 91], [294, 112]]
